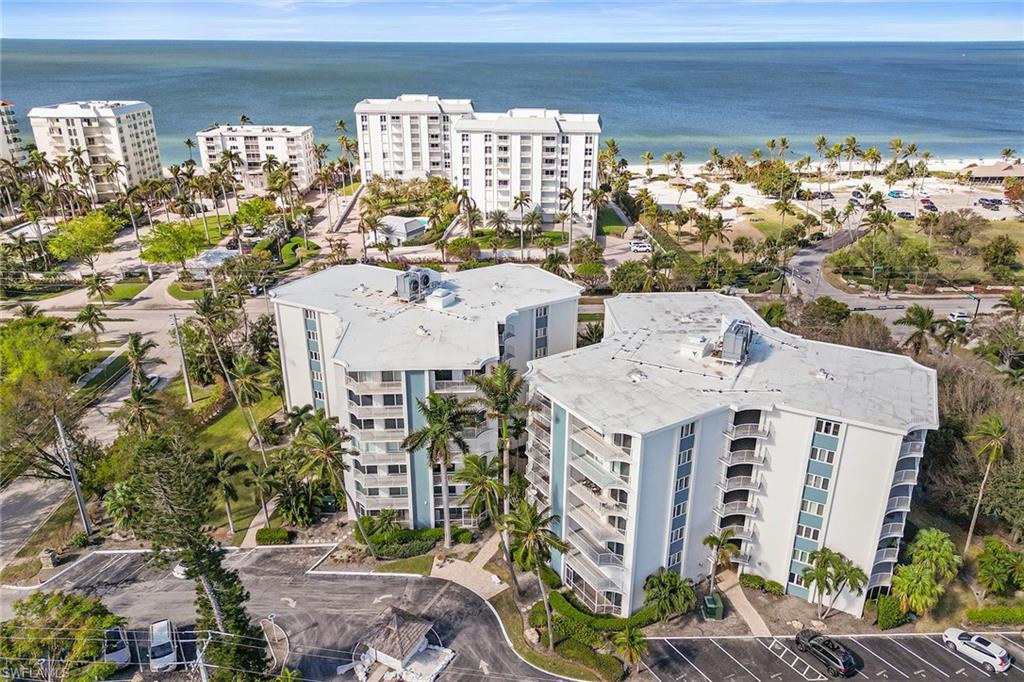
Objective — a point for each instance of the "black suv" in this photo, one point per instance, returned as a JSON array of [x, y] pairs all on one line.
[[834, 655]]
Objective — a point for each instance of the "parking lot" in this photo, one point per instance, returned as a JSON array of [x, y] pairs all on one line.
[[878, 657]]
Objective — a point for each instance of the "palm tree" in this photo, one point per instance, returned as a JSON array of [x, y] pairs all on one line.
[[262, 480], [446, 418], [631, 644], [922, 321], [785, 207], [668, 594], [592, 332], [530, 527], [1013, 304], [555, 263], [224, 466], [325, 445], [98, 285], [568, 197], [934, 549], [138, 410], [991, 437], [484, 492], [721, 553], [92, 317], [190, 145], [851, 148], [915, 588], [137, 357], [249, 385]]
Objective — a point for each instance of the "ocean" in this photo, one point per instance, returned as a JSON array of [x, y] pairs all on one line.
[[955, 100]]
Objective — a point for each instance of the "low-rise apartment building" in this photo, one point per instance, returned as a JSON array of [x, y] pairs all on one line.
[[12, 148], [494, 156], [291, 146], [364, 343], [693, 416], [100, 133]]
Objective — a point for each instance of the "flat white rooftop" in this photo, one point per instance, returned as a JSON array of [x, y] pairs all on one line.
[[88, 109], [531, 121], [646, 376], [414, 104], [381, 332], [255, 130]]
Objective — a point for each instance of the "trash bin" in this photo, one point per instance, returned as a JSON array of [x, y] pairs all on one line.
[[713, 609]]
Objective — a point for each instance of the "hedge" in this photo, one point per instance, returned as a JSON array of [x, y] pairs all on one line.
[[608, 668], [473, 264], [408, 535], [773, 587], [603, 623], [1002, 614], [550, 578], [890, 615], [537, 617], [567, 628], [751, 581], [394, 550], [273, 536]]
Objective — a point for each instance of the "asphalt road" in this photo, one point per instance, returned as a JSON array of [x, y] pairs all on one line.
[[324, 615]]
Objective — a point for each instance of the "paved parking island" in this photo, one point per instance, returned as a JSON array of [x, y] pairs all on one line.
[[767, 659]]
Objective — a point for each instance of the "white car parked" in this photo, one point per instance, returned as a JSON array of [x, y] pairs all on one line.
[[959, 316], [163, 646], [992, 657], [640, 246], [115, 647]]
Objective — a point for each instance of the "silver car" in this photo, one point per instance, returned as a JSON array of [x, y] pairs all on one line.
[[115, 647], [991, 656]]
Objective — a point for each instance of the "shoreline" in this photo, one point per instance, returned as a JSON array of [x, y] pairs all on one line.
[[944, 165]]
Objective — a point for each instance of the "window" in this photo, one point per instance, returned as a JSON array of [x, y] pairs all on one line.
[[394, 469], [540, 333], [392, 399], [687, 430], [682, 483], [311, 335], [318, 395], [616, 548], [487, 137], [317, 376], [540, 352], [541, 311], [679, 509], [308, 314], [674, 558], [816, 508], [685, 457], [796, 579], [826, 427], [565, 139], [623, 441], [620, 496], [391, 424], [398, 492], [390, 377], [677, 535], [617, 522], [314, 356], [802, 555], [815, 481], [823, 455], [443, 375], [807, 532]]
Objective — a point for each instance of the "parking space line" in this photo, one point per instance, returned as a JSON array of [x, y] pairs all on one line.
[[651, 670], [887, 663], [102, 569], [688, 661], [736, 661], [911, 652], [957, 654], [781, 655]]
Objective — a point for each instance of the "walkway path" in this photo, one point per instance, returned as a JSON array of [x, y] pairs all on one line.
[[471, 574], [730, 586], [258, 521]]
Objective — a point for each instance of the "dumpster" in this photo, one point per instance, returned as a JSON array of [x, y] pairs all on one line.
[[713, 609]]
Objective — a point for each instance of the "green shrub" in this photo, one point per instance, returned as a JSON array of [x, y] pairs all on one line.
[[567, 628], [273, 536], [773, 587], [473, 264], [537, 617], [461, 536], [406, 549], [890, 615], [550, 578], [1001, 614], [81, 540], [608, 668], [602, 623], [751, 581]]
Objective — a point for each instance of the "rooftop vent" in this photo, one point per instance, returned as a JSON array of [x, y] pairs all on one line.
[[497, 286], [441, 298], [636, 375], [696, 346], [361, 288], [422, 331], [825, 375], [736, 341]]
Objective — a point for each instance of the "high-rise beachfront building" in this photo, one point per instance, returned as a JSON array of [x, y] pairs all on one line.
[[254, 144], [365, 343], [12, 147], [100, 133], [693, 416], [493, 156]]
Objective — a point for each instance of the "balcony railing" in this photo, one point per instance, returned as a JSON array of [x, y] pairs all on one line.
[[740, 532], [880, 579], [895, 504], [538, 431], [594, 501], [382, 480], [384, 502], [594, 577], [376, 411], [378, 434], [597, 474], [892, 530], [742, 507], [454, 387], [912, 449], [739, 483], [598, 528], [373, 386], [887, 554], [905, 477], [378, 458], [730, 458], [742, 559], [598, 446], [735, 431], [588, 547], [538, 478]]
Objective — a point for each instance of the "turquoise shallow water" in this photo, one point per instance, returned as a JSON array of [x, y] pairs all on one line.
[[956, 100]]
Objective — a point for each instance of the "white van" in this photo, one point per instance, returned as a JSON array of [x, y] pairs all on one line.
[[163, 646]]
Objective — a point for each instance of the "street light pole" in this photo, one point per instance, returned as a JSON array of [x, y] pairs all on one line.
[[65, 448]]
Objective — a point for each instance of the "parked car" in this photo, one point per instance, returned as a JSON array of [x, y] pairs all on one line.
[[959, 316], [854, 202], [905, 215], [992, 657], [925, 202], [857, 194], [163, 646], [115, 647], [249, 231], [180, 570], [931, 208], [837, 659], [895, 194], [640, 246], [827, 195]]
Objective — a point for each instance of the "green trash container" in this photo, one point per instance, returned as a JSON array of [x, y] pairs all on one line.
[[713, 608]]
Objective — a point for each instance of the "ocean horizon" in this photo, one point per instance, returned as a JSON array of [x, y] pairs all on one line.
[[961, 100]]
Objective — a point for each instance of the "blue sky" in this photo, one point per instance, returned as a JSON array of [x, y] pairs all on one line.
[[517, 20]]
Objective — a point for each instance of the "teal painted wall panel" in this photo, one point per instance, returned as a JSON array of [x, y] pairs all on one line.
[[420, 471], [805, 544], [819, 468], [815, 494], [559, 424], [810, 520], [823, 441], [798, 591]]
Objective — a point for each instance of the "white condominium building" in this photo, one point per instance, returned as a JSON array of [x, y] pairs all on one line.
[[11, 146], [493, 156], [101, 133], [254, 144], [693, 416], [364, 343]]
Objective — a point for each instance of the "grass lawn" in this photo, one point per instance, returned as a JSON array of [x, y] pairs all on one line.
[[106, 378], [17, 571], [486, 239], [971, 265], [350, 188], [768, 221], [182, 294], [41, 295], [609, 223], [126, 291], [590, 317], [55, 531], [417, 564]]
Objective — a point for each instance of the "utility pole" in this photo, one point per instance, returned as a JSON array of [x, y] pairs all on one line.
[[181, 353], [65, 448], [200, 659]]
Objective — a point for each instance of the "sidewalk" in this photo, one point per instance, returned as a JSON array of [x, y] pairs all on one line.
[[258, 521], [472, 575], [730, 587], [114, 354]]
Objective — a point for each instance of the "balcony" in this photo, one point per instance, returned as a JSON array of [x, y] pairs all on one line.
[[913, 449], [745, 508], [887, 554], [596, 445], [454, 387], [373, 386], [601, 505], [739, 483], [378, 434], [600, 476], [742, 457], [905, 477], [382, 480], [898, 504], [742, 559], [379, 458], [383, 502], [880, 579], [376, 411], [539, 431], [538, 478], [594, 577], [740, 532], [891, 530], [596, 526], [596, 553], [734, 431]]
